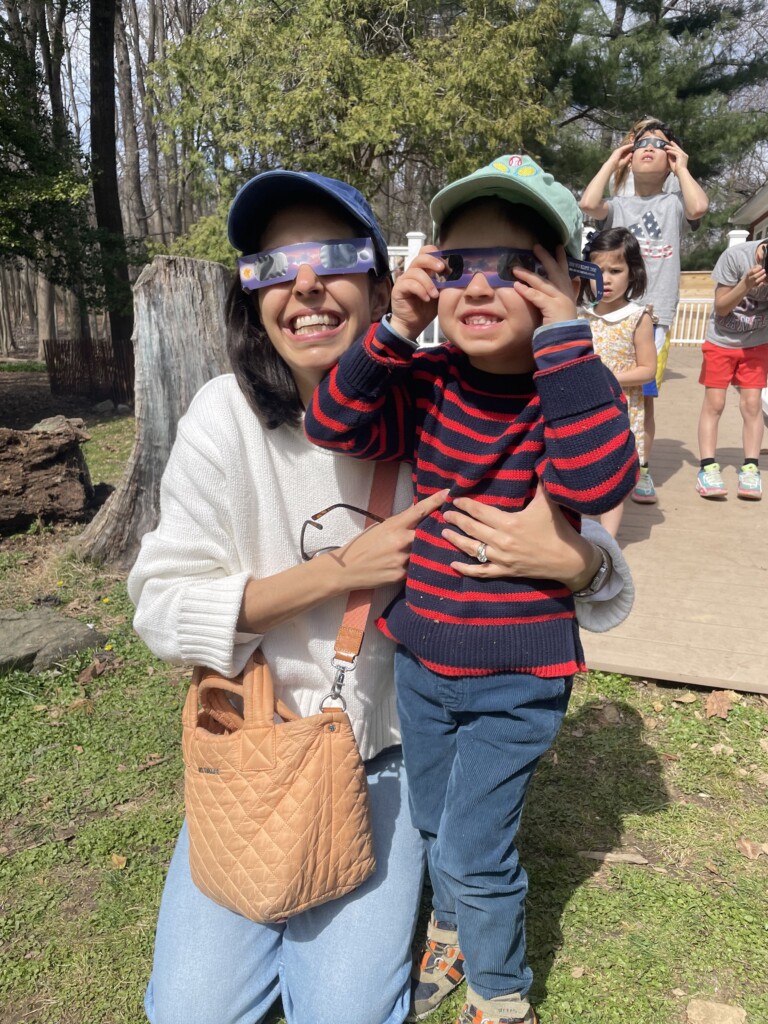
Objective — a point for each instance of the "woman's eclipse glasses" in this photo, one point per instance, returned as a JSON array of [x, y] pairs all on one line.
[[338, 256], [497, 266]]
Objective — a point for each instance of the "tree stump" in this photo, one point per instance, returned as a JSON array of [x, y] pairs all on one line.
[[43, 474], [180, 343]]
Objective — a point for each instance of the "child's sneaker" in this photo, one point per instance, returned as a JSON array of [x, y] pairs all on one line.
[[710, 483], [438, 971], [512, 1009], [750, 486], [644, 492]]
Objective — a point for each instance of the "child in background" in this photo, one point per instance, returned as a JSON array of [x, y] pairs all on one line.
[[657, 219], [515, 401], [622, 331], [735, 351]]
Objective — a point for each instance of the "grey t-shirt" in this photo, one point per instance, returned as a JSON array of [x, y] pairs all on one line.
[[747, 325], [657, 222]]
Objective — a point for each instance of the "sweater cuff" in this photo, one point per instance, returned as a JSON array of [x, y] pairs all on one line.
[[208, 625], [555, 344], [611, 606]]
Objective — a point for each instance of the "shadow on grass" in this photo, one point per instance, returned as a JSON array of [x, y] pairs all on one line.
[[600, 772]]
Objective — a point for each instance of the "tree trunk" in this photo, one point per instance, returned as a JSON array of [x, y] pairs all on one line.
[[46, 313], [106, 197], [180, 337], [156, 227], [137, 213], [7, 343], [27, 278]]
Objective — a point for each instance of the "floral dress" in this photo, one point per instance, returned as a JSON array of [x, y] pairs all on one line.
[[613, 337]]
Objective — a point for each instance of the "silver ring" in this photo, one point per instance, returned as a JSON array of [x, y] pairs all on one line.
[[480, 554]]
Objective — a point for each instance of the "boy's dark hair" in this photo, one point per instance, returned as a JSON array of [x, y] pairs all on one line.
[[517, 214], [262, 374]]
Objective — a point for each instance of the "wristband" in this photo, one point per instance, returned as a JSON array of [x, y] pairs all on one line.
[[600, 578]]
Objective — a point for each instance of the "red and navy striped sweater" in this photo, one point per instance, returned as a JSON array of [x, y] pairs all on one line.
[[493, 438]]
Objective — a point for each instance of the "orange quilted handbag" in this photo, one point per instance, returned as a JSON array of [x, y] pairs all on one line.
[[277, 805], [277, 810]]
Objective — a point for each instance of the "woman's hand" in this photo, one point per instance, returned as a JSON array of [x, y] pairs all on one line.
[[537, 542], [380, 554]]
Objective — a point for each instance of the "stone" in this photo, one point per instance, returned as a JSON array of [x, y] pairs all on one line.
[[106, 406], [702, 1012], [41, 638]]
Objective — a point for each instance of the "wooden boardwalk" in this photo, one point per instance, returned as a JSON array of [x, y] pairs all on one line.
[[700, 567]]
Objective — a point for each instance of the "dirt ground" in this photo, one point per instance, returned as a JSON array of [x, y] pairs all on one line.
[[25, 399]]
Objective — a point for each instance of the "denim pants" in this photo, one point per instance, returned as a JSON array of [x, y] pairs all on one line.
[[345, 962], [471, 745]]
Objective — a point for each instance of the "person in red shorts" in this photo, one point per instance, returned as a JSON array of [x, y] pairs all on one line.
[[735, 351]]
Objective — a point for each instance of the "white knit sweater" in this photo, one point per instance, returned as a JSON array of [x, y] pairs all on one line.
[[233, 500]]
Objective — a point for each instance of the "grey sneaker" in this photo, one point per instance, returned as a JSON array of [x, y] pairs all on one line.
[[438, 971], [512, 1009], [750, 486], [710, 483], [644, 492]]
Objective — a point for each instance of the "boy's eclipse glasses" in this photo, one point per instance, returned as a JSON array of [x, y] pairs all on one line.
[[650, 140], [496, 265], [337, 256]]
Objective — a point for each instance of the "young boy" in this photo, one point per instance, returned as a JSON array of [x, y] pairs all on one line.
[[516, 400], [735, 351], [657, 218]]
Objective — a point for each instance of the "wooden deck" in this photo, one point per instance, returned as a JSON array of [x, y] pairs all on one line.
[[700, 567]]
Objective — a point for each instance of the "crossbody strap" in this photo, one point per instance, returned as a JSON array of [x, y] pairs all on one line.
[[349, 639]]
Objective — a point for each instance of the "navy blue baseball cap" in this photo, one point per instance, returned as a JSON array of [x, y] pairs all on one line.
[[259, 198]]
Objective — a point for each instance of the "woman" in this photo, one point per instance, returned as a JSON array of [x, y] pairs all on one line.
[[224, 572]]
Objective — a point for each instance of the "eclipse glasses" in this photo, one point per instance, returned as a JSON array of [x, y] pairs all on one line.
[[497, 266], [274, 266], [650, 140]]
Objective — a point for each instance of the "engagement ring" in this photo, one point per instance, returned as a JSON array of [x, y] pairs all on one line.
[[480, 554]]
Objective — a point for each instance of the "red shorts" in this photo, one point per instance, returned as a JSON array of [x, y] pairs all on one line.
[[744, 367]]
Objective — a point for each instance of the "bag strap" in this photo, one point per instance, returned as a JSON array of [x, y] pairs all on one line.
[[349, 639]]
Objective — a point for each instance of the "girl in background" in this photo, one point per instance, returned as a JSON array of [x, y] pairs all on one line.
[[622, 331]]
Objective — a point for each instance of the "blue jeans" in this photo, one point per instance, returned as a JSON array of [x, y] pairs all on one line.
[[345, 962], [471, 745]]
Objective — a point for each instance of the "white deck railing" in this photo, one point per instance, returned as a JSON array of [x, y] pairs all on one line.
[[691, 321]]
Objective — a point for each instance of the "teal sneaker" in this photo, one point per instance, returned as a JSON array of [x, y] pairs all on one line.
[[710, 483], [750, 486], [644, 492]]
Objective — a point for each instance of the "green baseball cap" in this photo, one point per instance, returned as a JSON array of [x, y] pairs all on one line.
[[518, 179]]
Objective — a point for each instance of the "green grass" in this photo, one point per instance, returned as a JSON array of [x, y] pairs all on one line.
[[22, 366], [91, 801], [111, 443]]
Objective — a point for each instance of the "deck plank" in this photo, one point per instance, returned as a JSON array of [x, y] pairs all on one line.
[[700, 567]]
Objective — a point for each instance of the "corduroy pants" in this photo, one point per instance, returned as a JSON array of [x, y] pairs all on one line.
[[471, 745]]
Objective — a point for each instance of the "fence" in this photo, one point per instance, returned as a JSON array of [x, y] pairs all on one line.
[[90, 367]]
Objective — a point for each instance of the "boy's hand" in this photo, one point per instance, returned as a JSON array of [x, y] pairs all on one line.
[[754, 277], [621, 156], [677, 157], [554, 295], [414, 295]]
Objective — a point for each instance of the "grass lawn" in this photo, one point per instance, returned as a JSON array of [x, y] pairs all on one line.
[[91, 801]]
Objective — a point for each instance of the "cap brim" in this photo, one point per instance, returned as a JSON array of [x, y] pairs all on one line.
[[257, 201], [511, 189]]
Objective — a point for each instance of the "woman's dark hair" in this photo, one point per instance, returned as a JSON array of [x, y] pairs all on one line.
[[516, 214], [608, 241], [262, 374]]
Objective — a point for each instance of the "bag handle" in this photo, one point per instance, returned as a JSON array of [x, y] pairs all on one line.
[[349, 639]]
